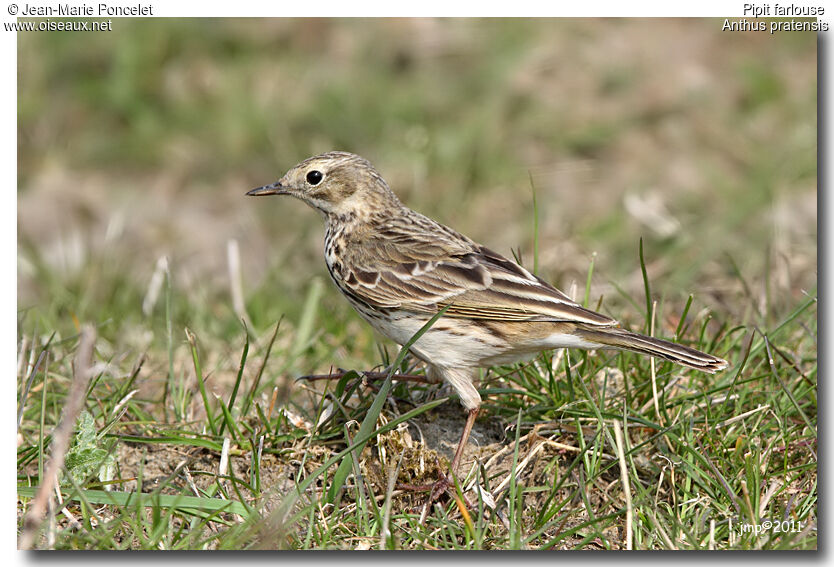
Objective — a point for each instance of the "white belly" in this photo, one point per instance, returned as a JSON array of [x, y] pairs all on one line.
[[460, 343]]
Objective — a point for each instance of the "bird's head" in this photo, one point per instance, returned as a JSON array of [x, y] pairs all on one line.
[[336, 184]]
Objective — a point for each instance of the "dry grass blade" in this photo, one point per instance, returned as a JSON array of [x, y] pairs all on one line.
[[236, 281], [60, 439], [519, 468], [744, 415], [155, 285], [33, 371], [385, 532], [618, 436], [653, 367]]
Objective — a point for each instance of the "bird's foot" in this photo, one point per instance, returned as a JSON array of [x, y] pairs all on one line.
[[445, 484], [441, 486]]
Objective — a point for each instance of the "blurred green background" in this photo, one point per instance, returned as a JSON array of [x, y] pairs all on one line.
[[140, 143]]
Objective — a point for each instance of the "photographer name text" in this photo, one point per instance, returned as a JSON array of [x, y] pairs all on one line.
[[86, 10]]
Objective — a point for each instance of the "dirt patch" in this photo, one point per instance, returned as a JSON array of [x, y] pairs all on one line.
[[440, 431]]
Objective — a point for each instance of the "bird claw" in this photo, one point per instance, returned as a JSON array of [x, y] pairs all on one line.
[[441, 486], [444, 484], [340, 372]]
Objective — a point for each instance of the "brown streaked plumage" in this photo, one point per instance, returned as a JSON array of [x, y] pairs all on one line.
[[398, 268]]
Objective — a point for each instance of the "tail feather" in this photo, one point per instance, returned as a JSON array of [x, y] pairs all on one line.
[[626, 340]]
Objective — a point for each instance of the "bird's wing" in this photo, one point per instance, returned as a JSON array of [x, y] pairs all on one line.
[[425, 274]]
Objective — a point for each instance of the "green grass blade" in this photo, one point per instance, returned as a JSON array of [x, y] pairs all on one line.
[[360, 439], [239, 378], [169, 335], [371, 417], [682, 321], [646, 287], [254, 388], [230, 421], [187, 504], [587, 299], [198, 371], [535, 227]]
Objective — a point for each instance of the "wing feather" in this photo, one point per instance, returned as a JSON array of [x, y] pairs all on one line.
[[433, 267]]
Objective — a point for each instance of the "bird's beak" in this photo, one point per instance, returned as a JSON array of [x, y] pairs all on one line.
[[274, 189]]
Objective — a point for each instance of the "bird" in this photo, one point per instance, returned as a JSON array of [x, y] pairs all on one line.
[[399, 269]]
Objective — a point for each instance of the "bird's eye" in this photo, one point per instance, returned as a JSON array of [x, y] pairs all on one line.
[[314, 177]]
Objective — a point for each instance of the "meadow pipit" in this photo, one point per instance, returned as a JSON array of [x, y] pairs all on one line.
[[398, 268]]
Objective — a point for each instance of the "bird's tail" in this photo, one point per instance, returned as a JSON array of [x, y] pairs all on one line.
[[626, 340]]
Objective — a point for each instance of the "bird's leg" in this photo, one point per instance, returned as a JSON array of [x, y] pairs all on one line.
[[316, 377], [446, 481], [370, 375], [401, 377], [467, 430]]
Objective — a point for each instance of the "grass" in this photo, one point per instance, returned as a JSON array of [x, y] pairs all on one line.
[[195, 433], [704, 456]]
